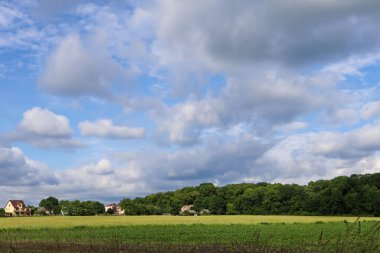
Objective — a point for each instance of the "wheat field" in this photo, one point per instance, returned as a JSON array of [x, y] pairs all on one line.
[[73, 221]]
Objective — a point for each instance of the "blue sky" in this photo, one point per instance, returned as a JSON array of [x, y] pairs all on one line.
[[110, 99]]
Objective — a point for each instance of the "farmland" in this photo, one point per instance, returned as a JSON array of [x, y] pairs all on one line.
[[190, 234], [73, 221]]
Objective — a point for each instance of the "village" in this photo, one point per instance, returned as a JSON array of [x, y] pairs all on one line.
[[18, 208]]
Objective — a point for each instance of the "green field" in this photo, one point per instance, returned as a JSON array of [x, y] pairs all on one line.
[[189, 234], [71, 221]]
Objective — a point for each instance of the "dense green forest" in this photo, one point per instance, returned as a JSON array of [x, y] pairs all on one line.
[[354, 195]]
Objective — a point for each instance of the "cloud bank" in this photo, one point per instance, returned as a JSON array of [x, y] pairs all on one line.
[[215, 91]]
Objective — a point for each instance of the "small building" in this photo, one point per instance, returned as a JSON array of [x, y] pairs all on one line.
[[187, 210], [17, 208], [116, 209], [205, 212]]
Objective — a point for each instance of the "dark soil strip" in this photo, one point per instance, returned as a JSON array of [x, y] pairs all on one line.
[[36, 247]]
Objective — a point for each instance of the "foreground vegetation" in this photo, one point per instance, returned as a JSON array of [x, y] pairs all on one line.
[[318, 236]]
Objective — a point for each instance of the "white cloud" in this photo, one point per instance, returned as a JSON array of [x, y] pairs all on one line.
[[241, 76], [104, 128], [42, 122], [43, 128], [219, 160], [296, 158], [103, 167], [263, 103], [18, 170], [370, 110], [8, 15], [339, 116], [322, 32], [302, 157], [183, 123], [96, 181], [354, 144], [19, 31], [290, 127], [77, 68], [100, 181]]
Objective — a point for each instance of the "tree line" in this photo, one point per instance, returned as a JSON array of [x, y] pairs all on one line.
[[353, 195], [53, 206]]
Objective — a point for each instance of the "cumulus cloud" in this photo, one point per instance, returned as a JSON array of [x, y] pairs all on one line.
[[97, 181], [325, 38], [219, 161], [44, 128], [248, 90], [42, 122], [296, 158], [290, 127], [101, 181], [104, 128], [131, 174], [301, 157], [260, 33], [103, 167], [371, 110], [78, 68], [354, 144], [182, 124], [268, 101], [262, 60], [18, 170]]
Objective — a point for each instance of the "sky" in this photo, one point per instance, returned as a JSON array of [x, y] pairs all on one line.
[[102, 100]]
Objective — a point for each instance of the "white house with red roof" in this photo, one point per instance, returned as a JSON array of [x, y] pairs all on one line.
[[17, 208]]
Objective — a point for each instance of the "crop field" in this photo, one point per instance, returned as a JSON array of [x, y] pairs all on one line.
[[190, 234], [71, 221]]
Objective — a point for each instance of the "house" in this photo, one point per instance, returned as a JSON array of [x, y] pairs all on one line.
[[116, 209], [187, 210], [17, 208]]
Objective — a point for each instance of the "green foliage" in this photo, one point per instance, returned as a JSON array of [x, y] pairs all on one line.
[[39, 212], [2, 212], [354, 195], [81, 208], [51, 204], [134, 208], [344, 237], [231, 209]]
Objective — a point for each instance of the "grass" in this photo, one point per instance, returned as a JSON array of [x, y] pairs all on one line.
[[190, 234], [72, 221]]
